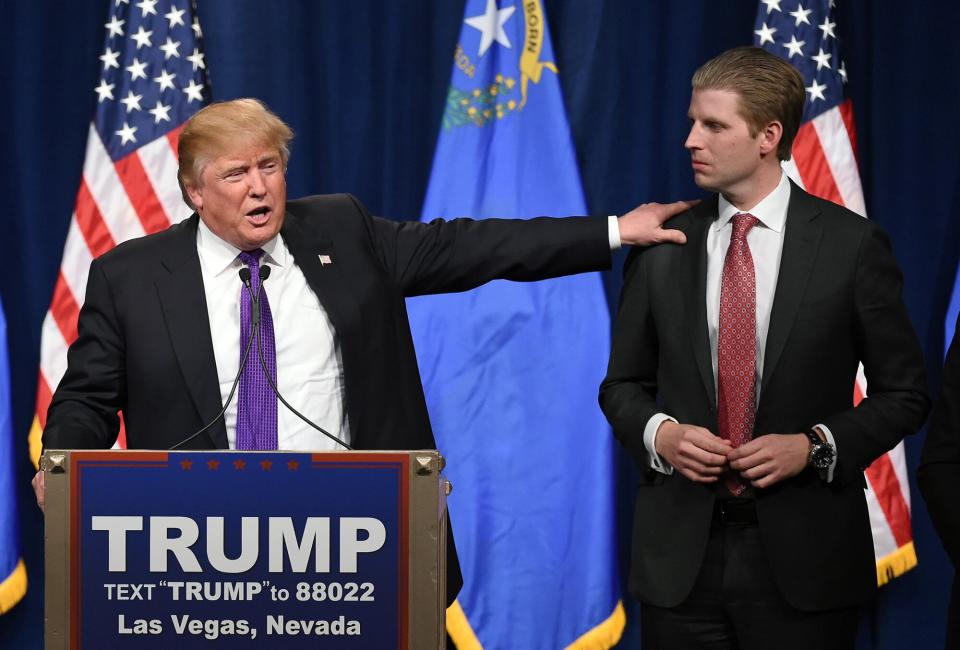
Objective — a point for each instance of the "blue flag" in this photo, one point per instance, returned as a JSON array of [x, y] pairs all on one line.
[[511, 370], [953, 311], [13, 574]]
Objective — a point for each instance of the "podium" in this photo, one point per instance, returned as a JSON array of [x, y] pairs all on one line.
[[228, 549]]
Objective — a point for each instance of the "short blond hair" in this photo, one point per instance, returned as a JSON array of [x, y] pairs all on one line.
[[770, 89], [218, 128]]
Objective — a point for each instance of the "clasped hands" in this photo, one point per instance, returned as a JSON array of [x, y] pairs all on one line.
[[704, 457]]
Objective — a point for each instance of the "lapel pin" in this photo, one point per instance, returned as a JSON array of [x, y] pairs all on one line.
[[325, 259]]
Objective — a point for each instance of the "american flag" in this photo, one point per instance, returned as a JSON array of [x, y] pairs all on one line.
[[825, 164], [152, 78]]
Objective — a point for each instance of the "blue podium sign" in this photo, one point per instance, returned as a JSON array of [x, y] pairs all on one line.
[[238, 550]]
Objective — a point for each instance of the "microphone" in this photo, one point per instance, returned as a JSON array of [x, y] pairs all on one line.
[[255, 298], [245, 278]]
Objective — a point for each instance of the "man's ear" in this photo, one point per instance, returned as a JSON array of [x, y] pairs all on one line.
[[770, 137], [196, 195]]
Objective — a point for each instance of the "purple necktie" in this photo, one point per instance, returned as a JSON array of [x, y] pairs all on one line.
[[256, 404]]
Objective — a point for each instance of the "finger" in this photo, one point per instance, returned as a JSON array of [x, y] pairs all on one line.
[[704, 457], [759, 471], [743, 463], [704, 470], [709, 442], [671, 237], [670, 209], [698, 478]]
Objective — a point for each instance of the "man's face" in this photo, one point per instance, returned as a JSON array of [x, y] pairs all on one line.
[[725, 157], [241, 196]]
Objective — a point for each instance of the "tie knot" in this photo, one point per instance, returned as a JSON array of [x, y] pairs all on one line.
[[742, 223], [251, 258]]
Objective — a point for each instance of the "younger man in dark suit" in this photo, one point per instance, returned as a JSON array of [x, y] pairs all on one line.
[[730, 382]]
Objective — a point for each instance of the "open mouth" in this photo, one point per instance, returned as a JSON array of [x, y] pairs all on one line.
[[259, 216]]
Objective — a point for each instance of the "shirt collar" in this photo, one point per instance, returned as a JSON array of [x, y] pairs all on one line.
[[771, 211], [218, 256]]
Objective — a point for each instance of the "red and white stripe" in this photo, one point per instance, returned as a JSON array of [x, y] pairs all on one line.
[[116, 201], [825, 164]]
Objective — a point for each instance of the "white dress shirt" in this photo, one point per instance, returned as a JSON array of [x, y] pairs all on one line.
[[309, 370], [766, 246]]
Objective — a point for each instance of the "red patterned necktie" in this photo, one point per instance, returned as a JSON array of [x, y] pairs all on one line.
[[737, 343]]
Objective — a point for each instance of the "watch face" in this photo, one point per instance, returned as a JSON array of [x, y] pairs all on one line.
[[821, 456]]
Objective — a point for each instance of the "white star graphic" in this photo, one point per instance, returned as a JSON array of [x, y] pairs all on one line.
[[800, 15], [196, 59], [827, 28], [160, 113], [842, 71], [115, 26], [148, 7], [170, 48], [490, 25], [109, 59], [194, 91], [175, 16], [794, 47], [772, 5], [823, 59], [196, 28], [104, 90], [165, 80], [126, 134], [816, 91], [765, 33], [137, 70], [142, 37], [131, 101]]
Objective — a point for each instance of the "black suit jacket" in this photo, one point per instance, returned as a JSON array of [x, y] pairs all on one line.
[[837, 303], [939, 476], [144, 345]]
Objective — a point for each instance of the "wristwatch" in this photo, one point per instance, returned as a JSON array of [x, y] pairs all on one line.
[[822, 452]]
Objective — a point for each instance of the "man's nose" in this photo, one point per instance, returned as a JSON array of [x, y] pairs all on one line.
[[257, 186], [693, 138]]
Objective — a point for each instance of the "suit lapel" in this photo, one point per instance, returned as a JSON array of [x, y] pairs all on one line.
[[184, 307], [694, 290], [800, 244], [318, 260]]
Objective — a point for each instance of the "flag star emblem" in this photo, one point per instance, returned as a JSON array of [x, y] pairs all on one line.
[[170, 48], [194, 91], [816, 90], [137, 70], [827, 28], [104, 90], [131, 101], [801, 15], [490, 24], [325, 259], [148, 7], [165, 80], [174, 16], [765, 33], [196, 28], [794, 47], [109, 59], [115, 26], [823, 59], [160, 113], [196, 59], [842, 71], [127, 133], [142, 37], [772, 5]]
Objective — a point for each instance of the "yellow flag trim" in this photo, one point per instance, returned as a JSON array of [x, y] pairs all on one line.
[[13, 588]]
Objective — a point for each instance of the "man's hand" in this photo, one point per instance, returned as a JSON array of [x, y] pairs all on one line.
[[38, 489], [769, 459], [643, 226], [693, 451]]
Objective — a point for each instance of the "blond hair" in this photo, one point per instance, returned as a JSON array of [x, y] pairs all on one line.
[[218, 128], [770, 89]]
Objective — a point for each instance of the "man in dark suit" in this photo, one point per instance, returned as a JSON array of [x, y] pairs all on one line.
[[939, 476], [166, 317], [730, 383]]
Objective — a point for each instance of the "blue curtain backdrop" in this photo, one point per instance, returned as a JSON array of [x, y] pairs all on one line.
[[363, 83]]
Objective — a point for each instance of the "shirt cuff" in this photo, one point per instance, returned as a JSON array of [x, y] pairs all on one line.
[[833, 443], [650, 442], [613, 232]]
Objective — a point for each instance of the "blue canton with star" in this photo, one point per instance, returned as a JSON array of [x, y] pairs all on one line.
[[153, 76], [804, 33]]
